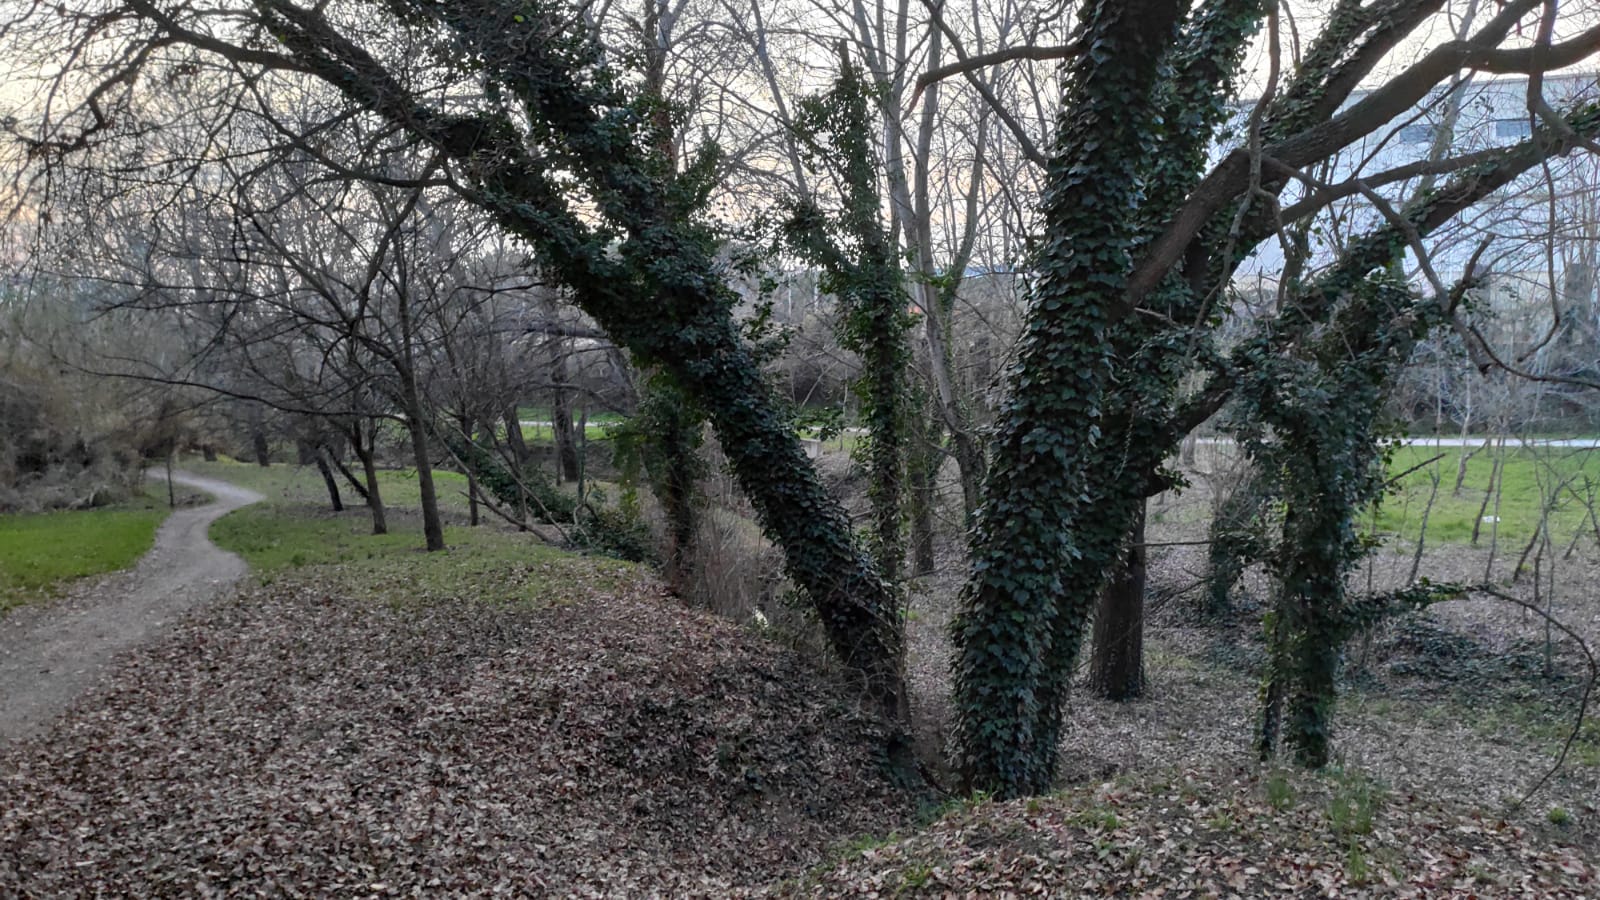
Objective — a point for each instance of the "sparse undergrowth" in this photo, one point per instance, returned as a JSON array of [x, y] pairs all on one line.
[[1211, 833], [40, 553]]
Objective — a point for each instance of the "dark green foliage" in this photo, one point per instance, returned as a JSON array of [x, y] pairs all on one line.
[[1310, 424], [860, 266], [1079, 437]]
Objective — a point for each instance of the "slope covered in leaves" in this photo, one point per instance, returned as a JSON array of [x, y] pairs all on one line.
[[1213, 834], [296, 741]]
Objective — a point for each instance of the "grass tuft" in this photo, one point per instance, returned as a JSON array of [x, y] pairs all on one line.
[[42, 553]]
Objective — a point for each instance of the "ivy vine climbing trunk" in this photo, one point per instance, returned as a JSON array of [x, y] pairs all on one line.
[[630, 255], [671, 420], [1080, 440], [1021, 621], [859, 264]]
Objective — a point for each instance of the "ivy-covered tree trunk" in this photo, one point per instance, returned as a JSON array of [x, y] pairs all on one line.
[[1310, 423], [860, 265], [675, 467], [632, 257], [1025, 608], [1116, 665]]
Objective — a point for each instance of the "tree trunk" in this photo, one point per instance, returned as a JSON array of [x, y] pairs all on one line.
[[922, 476], [1041, 539], [333, 457], [417, 427], [465, 424], [259, 445], [675, 477], [321, 459], [519, 447], [969, 459], [1116, 665], [561, 430], [369, 469]]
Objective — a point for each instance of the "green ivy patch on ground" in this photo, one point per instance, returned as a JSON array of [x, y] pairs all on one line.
[[41, 553]]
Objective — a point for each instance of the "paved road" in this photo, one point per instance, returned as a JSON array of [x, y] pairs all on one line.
[[51, 653]]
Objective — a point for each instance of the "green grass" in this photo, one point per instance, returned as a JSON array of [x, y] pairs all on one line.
[[40, 554], [542, 414], [596, 427], [482, 564], [293, 533], [281, 483], [1531, 479], [545, 434]]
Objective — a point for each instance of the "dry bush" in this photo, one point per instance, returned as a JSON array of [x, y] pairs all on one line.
[[56, 450]]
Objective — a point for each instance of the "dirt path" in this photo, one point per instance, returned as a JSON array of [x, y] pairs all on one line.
[[51, 653]]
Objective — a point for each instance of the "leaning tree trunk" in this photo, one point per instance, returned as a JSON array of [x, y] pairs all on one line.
[[678, 316], [367, 453], [1116, 665], [321, 459], [519, 447]]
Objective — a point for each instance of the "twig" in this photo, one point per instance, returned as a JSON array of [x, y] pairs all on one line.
[[1427, 462], [1588, 688]]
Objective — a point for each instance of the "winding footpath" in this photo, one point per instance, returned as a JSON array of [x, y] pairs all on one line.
[[51, 653]]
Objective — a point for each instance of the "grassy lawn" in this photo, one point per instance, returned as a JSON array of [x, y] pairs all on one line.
[[1531, 480], [596, 419], [279, 539], [282, 483], [545, 434], [293, 533], [40, 554]]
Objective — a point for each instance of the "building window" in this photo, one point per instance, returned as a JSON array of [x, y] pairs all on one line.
[[1512, 128], [1416, 134]]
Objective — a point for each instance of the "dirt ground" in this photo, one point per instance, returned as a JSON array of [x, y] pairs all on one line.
[[1451, 703], [51, 653]]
